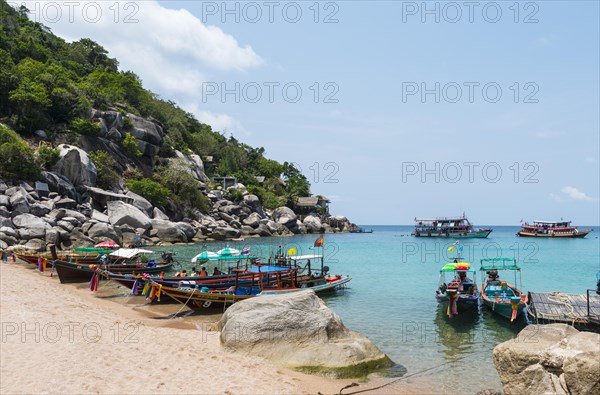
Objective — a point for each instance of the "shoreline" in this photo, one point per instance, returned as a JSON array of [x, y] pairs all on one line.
[[61, 338]]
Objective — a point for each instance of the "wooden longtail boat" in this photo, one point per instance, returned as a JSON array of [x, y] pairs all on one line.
[[501, 297], [199, 298], [459, 293], [560, 229], [69, 272], [78, 272]]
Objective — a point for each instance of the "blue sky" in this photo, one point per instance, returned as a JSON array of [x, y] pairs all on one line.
[[378, 137]]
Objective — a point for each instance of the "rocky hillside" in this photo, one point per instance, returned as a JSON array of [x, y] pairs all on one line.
[[89, 155], [64, 206]]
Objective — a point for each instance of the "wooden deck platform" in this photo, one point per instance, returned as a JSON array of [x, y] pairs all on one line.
[[565, 308]]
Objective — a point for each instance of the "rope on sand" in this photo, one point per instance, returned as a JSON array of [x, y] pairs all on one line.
[[403, 377]]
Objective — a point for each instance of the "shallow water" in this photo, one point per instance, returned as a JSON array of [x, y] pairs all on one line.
[[391, 297]]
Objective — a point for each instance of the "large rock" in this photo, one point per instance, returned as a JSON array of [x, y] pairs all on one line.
[[140, 202], [191, 164], [146, 130], [253, 202], [104, 231], [225, 232], [313, 224], [253, 220], [553, 358], [284, 216], [158, 214], [121, 213], [168, 231], [19, 201], [4, 201], [100, 217], [296, 330], [35, 232], [53, 236], [76, 165], [59, 184], [29, 221]]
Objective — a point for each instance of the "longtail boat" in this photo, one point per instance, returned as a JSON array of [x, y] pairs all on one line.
[[459, 292], [501, 297], [69, 272], [199, 298], [560, 229], [132, 262]]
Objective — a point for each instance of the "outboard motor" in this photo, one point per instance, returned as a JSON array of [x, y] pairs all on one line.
[[167, 257]]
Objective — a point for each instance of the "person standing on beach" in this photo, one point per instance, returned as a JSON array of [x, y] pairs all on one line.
[[4, 256]]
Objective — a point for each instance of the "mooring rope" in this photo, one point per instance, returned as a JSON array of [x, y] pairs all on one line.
[[405, 377]]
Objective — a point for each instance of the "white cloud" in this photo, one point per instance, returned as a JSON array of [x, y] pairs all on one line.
[[576, 194], [171, 50]]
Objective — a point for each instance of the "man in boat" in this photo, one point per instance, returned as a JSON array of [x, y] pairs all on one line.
[[194, 272], [466, 281], [203, 272]]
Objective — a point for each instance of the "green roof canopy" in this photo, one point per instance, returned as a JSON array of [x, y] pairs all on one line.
[[499, 264]]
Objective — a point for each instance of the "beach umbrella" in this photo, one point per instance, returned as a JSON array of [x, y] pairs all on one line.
[[228, 252], [107, 244], [205, 256]]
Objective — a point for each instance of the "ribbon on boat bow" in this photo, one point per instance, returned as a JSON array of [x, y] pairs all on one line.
[[452, 309], [95, 278]]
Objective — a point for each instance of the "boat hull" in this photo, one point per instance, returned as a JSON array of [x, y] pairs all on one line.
[[77, 273], [503, 309], [502, 305], [573, 235], [208, 300]]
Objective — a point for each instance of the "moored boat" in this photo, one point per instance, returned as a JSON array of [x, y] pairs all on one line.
[[132, 262], [501, 297], [286, 280], [560, 229], [459, 293], [450, 227]]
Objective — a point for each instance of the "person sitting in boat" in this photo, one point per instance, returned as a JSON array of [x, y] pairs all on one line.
[[466, 284], [216, 272], [203, 272], [194, 272], [493, 275], [182, 274]]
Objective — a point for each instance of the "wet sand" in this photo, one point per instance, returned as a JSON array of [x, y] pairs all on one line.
[[62, 338]]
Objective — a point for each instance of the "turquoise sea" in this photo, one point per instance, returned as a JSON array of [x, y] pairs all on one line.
[[391, 296]]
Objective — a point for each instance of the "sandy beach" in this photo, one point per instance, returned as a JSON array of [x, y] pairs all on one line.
[[59, 338]]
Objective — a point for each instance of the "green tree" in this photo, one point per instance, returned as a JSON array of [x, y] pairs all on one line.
[[107, 176], [47, 156], [130, 145], [17, 162], [31, 102], [85, 127], [151, 190], [178, 178]]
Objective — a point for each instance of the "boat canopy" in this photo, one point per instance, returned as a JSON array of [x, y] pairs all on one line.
[[551, 222], [233, 257], [129, 252], [304, 257], [499, 264], [457, 267]]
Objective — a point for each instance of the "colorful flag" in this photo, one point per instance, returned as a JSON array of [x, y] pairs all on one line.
[[319, 242], [451, 248], [292, 251], [246, 251]]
